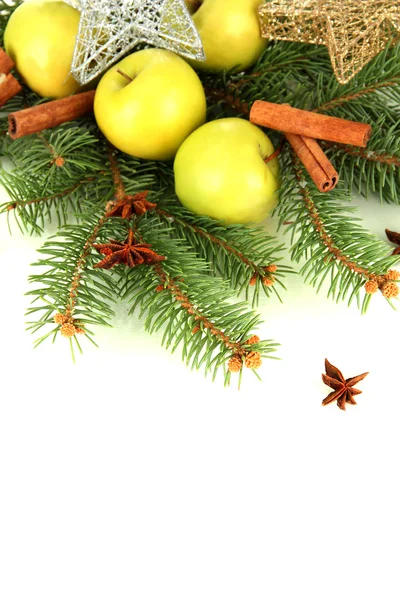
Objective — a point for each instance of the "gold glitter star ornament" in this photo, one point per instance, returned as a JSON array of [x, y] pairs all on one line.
[[353, 30], [108, 29]]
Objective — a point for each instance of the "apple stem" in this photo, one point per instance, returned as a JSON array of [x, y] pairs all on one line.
[[275, 154], [124, 75]]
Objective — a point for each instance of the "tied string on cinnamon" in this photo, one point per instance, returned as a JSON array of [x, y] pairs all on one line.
[[9, 85]]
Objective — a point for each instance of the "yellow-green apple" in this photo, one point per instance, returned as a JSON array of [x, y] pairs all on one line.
[[230, 33], [149, 103], [40, 38], [220, 172]]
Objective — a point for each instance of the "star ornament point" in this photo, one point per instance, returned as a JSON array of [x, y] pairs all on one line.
[[108, 29], [354, 31]]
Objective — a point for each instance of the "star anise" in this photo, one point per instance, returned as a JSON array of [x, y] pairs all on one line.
[[131, 205], [395, 239], [343, 388], [126, 253]]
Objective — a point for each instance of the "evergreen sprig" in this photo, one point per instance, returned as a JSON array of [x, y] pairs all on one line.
[[72, 174], [235, 253], [327, 238], [194, 308]]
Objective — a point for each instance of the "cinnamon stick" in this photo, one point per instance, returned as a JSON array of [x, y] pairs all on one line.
[[309, 124], [319, 167], [9, 87], [50, 114], [6, 63]]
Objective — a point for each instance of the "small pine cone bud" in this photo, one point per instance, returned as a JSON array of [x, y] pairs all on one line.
[[68, 330], [79, 330], [392, 274], [60, 319], [159, 288], [371, 287], [253, 280], [195, 329], [268, 281], [390, 290], [235, 364], [253, 340], [59, 161], [271, 268], [253, 360]]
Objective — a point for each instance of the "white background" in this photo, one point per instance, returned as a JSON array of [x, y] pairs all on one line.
[[126, 476]]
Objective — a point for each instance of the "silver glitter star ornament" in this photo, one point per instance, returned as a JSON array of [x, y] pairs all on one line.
[[108, 29]]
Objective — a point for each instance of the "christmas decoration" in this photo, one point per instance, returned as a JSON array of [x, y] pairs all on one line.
[[220, 171], [353, 30], [108, 29], [343, 388], [187, 285], [152, 117]]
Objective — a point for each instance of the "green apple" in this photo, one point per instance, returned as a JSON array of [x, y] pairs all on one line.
[[220, 172], [230, 32], [40, 38], [149, 103]]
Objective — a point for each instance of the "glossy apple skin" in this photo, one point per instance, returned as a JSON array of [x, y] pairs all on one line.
[[40, 38], [230, 33], [220, 172], [151, 116]]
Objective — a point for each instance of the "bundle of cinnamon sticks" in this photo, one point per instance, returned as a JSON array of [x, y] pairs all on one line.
[[302, 128]]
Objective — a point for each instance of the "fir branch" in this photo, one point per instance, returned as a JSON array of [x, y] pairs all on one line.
[[246, 257], [194, 309], [31, 207], [56, 156], [377, 77], [367, 155], [341, 100], [66, 170], [70, 292], [374, 169], [332, 243]]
